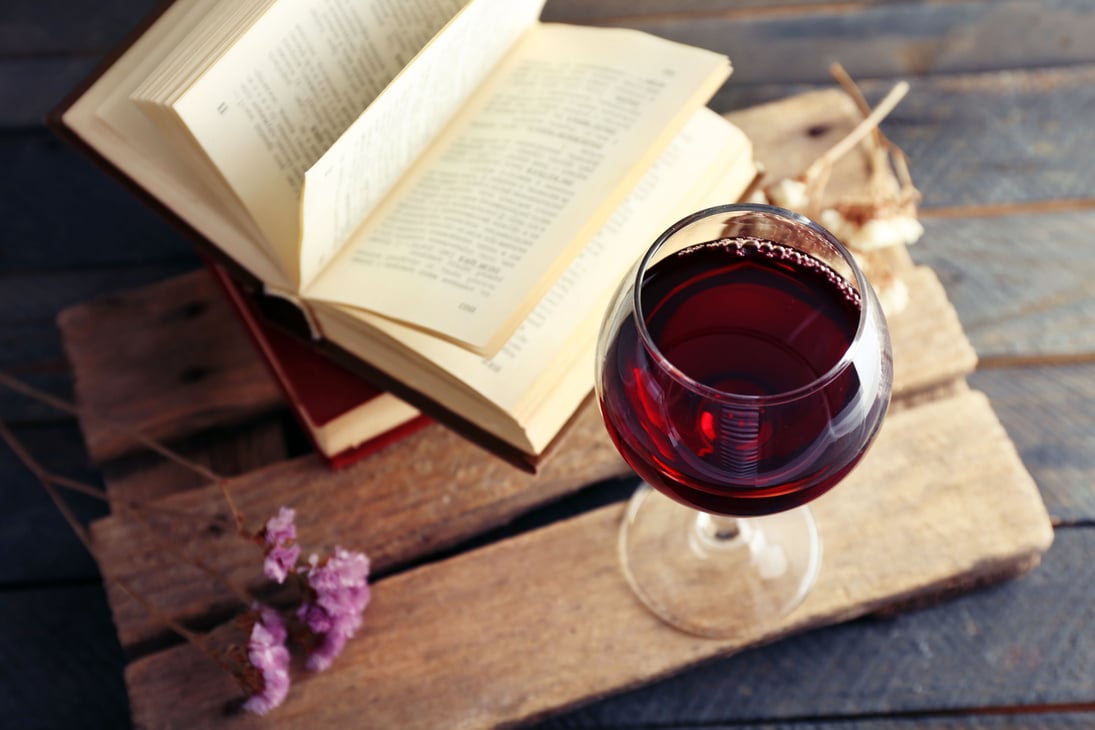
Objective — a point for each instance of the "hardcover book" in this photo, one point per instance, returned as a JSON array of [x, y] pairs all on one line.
[[440, 194], [345, 417]]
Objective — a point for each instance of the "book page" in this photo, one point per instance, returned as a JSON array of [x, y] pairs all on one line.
[[709, 154], [275, 101], [524, 177], [367, 161], [105, 119]]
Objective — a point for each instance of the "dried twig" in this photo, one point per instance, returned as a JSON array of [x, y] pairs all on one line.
[[86, 414], [867, 126], [47, 481]]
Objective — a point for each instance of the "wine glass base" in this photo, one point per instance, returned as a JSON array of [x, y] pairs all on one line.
[[712, 576]]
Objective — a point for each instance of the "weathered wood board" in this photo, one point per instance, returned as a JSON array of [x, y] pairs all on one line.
[[184, 348], [544, 621], [416, 497], [460, 632]]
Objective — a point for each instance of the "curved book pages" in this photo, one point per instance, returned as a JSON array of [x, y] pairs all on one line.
[[448, 192]]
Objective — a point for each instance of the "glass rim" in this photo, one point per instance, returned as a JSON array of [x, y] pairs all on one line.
[[846, 359]]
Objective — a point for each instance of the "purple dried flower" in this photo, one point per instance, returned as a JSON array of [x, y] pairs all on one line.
[[339, 592], [280, 536], [267, 653]]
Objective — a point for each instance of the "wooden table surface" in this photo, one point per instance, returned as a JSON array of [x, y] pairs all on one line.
[[998, 127]]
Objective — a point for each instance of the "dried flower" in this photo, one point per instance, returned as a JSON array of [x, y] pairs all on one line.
[[267, 653], [871, 230], [338, 594], [789, 193], [282, 551]]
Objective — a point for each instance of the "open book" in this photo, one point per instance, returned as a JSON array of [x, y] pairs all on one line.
[[448, 190]]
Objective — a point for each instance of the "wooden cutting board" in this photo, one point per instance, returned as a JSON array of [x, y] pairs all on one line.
[[528, 625]]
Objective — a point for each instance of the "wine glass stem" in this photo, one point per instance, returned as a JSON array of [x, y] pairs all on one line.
[[720, 532]]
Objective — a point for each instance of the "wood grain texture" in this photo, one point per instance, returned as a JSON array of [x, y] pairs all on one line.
[[428, 492], [988, 719], [31, 345], [421, 494], [243, 447], [39, 546], [810, 124], [1047, 411], [1023, 285], [1022, 647], [168, 360], [1022, 644], [419, 661], [137, 355], [982, 139], [875, 39]]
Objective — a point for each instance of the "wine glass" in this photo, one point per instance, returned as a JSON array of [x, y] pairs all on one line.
[[742, 371]]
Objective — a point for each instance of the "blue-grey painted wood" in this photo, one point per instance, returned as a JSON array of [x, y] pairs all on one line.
[[60, 669], [1047, 412], [1026, 642], [37, 544], [880, 39], [61, 210], [1023, 285]]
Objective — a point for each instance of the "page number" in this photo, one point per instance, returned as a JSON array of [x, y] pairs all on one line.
[[222, 108]]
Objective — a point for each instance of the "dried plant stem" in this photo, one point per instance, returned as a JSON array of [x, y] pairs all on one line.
[[61, 405], [84, 413], [47, 482], [861, 130], [165, 545], [883, 144]]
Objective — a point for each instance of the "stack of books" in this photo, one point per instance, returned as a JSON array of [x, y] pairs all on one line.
[[439, 197]]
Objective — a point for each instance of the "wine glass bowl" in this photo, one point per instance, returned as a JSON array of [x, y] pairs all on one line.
[[742, 372]]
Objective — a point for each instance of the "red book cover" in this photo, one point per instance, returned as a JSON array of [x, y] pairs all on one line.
[[345, 417]]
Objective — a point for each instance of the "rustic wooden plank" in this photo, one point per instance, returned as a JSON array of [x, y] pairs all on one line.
[[231, 451], [991, 719], [963, 32], [61, 668], [998, 138], [31, 344], [1001, 139], [1047, 411], [883, 39], [428, 492], [37, 543], [148, 369], [450, 643], [65, 27], [1023, 643], [1023, 285], [451, 492], [169, 359], [612, 11]]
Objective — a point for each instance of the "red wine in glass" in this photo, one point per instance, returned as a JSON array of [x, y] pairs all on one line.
[[742, 372], [755, 319]]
